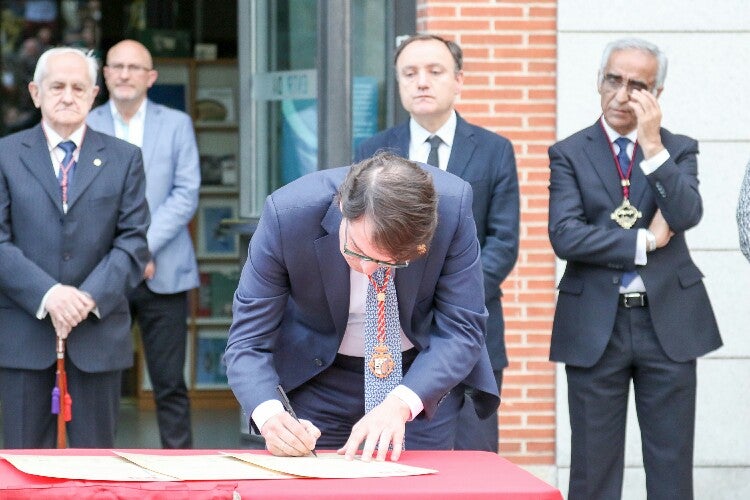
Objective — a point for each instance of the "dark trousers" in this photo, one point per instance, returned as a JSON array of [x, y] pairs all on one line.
[[665, 403], [334, 401], [474, 433], [28, 421], [162, 319]]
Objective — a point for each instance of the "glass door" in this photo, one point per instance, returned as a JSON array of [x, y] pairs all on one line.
[[316, 79], [283, 93]]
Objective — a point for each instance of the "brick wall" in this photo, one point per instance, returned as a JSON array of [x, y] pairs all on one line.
[[510, 63]]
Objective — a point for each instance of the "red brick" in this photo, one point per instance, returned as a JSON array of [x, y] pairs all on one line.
[[439, 25], [544, 446], [525, 26], [542, 12], [543, 40]]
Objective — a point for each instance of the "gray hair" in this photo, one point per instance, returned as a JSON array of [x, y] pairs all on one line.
[[41, 66], [636, 44]]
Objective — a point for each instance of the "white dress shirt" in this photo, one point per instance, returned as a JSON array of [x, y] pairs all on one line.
[[419, 148], [131, 131]]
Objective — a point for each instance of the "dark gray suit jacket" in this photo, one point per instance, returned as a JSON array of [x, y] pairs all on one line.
[[291, 306], [584, 190], [486, 161], [99, 246]]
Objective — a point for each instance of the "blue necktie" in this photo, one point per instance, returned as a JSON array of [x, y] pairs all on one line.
[[65, 174], [624, 160], [432, 158], [384, 354]]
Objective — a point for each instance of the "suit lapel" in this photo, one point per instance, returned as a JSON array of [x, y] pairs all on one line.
[[407, 285], [150, 133], [598, 151], [91, 161], [37, 160], [638, 182], [336, 284], [462, 149], [402, 137], [105, 122]]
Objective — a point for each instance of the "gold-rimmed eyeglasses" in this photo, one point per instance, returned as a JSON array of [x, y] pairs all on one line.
[[613, 83]]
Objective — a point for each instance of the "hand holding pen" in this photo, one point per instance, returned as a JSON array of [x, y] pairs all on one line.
[[288, 407]]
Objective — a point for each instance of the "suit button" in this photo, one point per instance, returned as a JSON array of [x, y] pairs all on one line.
[[615, 280], [318, 362], [66, 256]]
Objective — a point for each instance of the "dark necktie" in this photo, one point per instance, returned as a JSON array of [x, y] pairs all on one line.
[[624, 160], [432, 158], [382, 338], [65, 174]]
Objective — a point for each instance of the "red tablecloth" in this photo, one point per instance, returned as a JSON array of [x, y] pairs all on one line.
[[464, 474]]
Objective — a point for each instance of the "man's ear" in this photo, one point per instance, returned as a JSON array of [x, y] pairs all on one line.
[[34, 91]]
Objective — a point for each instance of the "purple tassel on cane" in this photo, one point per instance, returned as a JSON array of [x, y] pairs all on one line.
[[56, 400]]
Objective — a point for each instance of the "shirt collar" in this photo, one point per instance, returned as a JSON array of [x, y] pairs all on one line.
[[54, 139], [613, 135], [139, 115], [446, 132]]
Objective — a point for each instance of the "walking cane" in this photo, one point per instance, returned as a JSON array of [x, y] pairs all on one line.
[[62, 403]]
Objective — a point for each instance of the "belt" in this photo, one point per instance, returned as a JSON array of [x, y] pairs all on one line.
[[633, 299], [357, 364]]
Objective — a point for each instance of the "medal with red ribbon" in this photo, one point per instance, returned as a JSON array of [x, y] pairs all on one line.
[[625, 214], [381, 363]]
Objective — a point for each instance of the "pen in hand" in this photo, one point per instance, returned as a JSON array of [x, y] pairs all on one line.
[[289, 409]]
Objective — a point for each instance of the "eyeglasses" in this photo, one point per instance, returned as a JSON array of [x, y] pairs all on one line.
[[614, 83], [132, 68], [365, 258]]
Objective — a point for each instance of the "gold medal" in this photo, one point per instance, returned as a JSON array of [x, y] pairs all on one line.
[[381, 363], [626, 214]]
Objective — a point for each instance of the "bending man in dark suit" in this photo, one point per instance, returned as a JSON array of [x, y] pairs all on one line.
[[173, 179], [430, 77], [299, 311], [70, 252], [631, 303]]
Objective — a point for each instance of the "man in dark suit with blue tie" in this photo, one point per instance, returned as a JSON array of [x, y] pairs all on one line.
[[430, 75], [301, 311], [73, 220], [632, 305]]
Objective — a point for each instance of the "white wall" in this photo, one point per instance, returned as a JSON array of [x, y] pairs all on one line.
[[706, 96]]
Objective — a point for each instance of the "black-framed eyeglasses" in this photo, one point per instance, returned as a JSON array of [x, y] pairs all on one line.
[[614, 83], [365, 258]]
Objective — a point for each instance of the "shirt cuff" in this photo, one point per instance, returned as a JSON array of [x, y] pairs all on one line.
[[266, 410], [640, 248], [656, 161], [410, 398], [41, 313]]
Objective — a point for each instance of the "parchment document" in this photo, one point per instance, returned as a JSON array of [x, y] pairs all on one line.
[[99, 468], [221, 466], [201, 467], [331, 465]]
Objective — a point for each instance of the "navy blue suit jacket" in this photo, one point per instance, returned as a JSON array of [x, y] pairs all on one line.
[[292, 302], [98, 246], [486, 161], [584, 191]]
